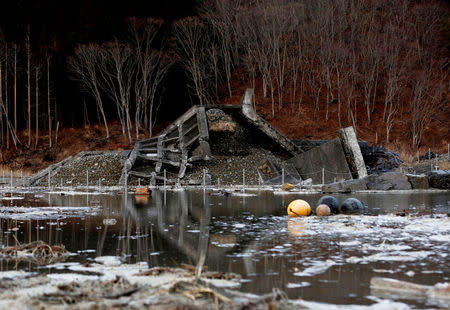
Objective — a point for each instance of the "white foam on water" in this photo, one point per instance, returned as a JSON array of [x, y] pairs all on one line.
[[317, 268], [297, 285], [399, 256], [380, 305], [71, 277], [14, 274], [349, 243], [108, 260]]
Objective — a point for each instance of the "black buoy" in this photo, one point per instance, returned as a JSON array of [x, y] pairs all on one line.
[[351, 205], [331, 202]]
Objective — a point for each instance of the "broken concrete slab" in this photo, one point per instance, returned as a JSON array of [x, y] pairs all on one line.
[[345, 186], [324, 164], [254, 119], [418, 181], [388, 181], [352, 152]]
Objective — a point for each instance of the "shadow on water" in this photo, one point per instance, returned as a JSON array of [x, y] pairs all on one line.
[[315, 259]]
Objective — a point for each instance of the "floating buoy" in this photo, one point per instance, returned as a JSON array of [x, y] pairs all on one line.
[[287, 187], [323, 210], [298, 208], [331, 202], [352, 205]]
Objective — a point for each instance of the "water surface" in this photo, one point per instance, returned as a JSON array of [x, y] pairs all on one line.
[[321, 259]]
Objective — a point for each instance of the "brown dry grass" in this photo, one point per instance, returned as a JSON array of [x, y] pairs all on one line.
[[304, 126]]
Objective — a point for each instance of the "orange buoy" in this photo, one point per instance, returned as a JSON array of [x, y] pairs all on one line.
[[298, 208], [287, 187], [141, 191], [323, 210]]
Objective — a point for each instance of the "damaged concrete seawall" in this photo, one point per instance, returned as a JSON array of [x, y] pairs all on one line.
[[338, 159]]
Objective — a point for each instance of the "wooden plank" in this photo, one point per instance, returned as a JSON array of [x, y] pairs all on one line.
[[224, 106], [187, 131], [154, 150], [160, 160], [187, 144], [202, 123], [188, 114]]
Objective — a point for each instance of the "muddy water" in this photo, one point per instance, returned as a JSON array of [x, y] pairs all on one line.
[[322, 259]]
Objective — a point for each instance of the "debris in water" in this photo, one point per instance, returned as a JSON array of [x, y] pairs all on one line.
[[37, 251]]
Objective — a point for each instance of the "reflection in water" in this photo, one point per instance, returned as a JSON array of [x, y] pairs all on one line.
[[250, 235], [296, 228]]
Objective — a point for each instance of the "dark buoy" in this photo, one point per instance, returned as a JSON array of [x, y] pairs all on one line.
[[331, 202], [352, 205]]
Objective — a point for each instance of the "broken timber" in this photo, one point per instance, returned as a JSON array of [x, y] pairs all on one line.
[[171, 147], [187, 140]]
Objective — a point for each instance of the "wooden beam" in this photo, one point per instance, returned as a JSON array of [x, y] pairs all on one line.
[[202, 124], [159, 160]]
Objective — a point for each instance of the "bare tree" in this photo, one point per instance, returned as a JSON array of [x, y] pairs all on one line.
[[151, 66], [37, 70], [85, 66], [49, 110], [28, 50], [117, 69], [426, 98], [15, 88], [192, 42], [222, 17]]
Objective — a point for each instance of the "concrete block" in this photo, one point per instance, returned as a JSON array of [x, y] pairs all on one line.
[[345, 186], [329, 156], [388, 181], [352, 152]]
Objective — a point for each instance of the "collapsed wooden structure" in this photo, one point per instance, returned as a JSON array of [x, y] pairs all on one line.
[[186, 141]]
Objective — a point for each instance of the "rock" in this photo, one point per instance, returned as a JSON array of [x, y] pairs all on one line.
[[439, 179], [329, 201], [418, 181], [387, 181], [351, 205], [287, 187], [323, 210], [345, 186], [429, 155], [378, 159]]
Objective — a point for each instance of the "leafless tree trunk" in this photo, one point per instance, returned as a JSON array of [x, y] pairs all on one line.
[[117, 70], [37, 73], [426, 98], [151, 67], [28, 49], [3, 107], [49, 110], [85, 65], [15, 88], [192, 41]]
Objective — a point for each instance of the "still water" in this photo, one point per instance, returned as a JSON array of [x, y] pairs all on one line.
[[321, 259]]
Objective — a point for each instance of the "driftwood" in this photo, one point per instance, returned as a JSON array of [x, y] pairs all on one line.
[[37, 251]]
